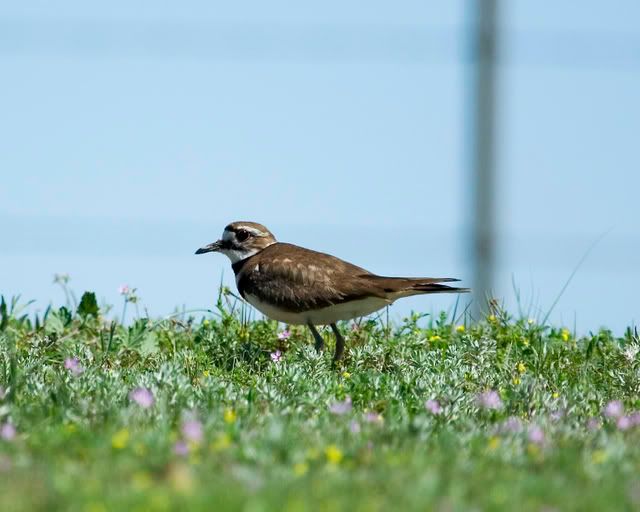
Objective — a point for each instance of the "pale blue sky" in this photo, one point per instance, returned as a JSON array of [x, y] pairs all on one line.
[[132, 132]]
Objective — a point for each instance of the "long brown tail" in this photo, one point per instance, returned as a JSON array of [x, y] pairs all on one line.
[[415, 285]]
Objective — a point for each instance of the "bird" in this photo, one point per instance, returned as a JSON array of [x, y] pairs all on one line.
[[299, 286]]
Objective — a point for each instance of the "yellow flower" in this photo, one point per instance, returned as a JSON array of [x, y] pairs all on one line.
[[346, 375], [230, 416], [599, 456], [435, 337], [516, 381], [492, 318], [205, 373], [222, 442], [120, 439], [460, 328], [206, 322], [300, 468], [521, 367], [530, 321], [565, 334], [494, 443], [333, 454], [525, 342], [555, 394]]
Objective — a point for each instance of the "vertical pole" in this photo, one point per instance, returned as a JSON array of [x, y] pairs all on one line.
[[481, 123]]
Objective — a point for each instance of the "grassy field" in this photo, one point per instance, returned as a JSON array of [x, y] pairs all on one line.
[[223, 413]]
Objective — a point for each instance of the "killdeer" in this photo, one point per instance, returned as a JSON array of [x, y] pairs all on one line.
[[295, 285]]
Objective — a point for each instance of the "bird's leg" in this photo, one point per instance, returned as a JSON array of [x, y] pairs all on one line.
[[339, 343], [316, 336]]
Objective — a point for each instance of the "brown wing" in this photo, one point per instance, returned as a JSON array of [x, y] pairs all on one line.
[[297, 279]]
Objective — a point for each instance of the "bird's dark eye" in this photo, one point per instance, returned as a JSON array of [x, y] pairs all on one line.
[[242, 235]]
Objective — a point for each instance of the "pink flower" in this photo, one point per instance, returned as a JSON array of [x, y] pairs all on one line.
[[489, 400], [284, 335], [614, 409], [7, 432], [181, 448], [593, 423], [354, 427], [635, 418], [143, 397], [73, 365], [624, 423], [512, 424], [373, 417], [535, 434], [276, 356], [124, 289], [341, 408], [192, 431], [433, 406]]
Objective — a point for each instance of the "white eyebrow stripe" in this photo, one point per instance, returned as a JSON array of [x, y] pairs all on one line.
[[253, 230]]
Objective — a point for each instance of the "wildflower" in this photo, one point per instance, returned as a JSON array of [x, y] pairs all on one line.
[[489, 400], [516, 381], [206, 322], [181, 448], [300, 468], [492, 318], [333, 454], [433, 406], [276, 356], [635, 418], [565, 334], [373, 417], [599, 456], [73, 365], [614, 409], [593, 423], [624, 423], [555, 395], [61, 278], [535, 435], [521, 367], [192, 431], [346, 375], [143, 397], [494, 443], [284, 335], [435, 337], [124, 289], [120, 439], [530, 321], [341, 408], [512, 424], [7, 432], [205, 373], [460, 328], [221, 442], [354, 427], [229, 416]]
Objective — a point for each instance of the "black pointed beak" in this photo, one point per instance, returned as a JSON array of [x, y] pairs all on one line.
[[213, 247]]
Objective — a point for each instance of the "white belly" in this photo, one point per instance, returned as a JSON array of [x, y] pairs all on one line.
[[323, 316]]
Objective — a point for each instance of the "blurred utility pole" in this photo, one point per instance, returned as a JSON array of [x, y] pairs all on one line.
[[481, 129]]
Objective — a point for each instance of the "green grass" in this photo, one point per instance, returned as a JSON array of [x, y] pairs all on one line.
[[270, 439]]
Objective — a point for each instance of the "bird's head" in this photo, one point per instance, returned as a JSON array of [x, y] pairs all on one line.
[[241, 240]]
